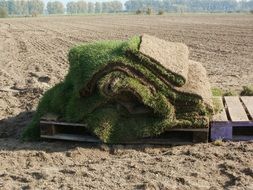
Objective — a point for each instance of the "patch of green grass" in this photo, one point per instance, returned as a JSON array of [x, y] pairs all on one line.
[[230, 93], [217, 91], [247, 91], [221, 92], [217, 106], [218, 142]]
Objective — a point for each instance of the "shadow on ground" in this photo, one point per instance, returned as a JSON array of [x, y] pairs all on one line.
[[12, 127], [10, 138]]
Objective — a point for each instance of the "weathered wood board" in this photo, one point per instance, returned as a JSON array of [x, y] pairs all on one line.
[[235, 109], [71, 137], [248, 102]]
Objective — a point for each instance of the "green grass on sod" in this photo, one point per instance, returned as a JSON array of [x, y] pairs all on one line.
[[106, 76]]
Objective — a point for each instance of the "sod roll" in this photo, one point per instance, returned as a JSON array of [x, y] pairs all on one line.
[[125, 90]]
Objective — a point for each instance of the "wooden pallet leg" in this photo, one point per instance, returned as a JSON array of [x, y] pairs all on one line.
[[221, 131], [200, 136], [46, 129]]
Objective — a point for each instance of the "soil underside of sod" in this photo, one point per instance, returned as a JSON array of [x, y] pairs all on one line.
[[126, 90]]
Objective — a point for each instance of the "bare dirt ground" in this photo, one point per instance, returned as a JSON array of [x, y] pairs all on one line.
[[77, 166], [33, 57]]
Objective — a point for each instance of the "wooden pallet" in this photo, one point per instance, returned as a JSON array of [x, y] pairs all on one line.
[[78, 132], [66, 131], [235, 119], [177, 136]]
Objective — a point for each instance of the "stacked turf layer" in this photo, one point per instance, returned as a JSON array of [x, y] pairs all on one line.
[[126, 90]]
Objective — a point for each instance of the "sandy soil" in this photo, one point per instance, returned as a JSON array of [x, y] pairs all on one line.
[[55, 165], [33, 57]]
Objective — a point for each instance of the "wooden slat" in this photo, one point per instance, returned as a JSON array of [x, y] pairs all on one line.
[[235, 109], [248, 102], [175, 138], [221, 116], [63, 123], [174, 141], [49, 117], [72, 137], [189, 129], [242, 138]]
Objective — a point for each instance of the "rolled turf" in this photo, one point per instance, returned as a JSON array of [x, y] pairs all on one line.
[[125, 90]]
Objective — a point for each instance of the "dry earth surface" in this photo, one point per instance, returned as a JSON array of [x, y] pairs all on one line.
[[33, 57], [55, 165]]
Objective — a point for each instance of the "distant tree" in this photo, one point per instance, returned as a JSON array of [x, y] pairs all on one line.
[[4, 4], [186, 5], [98, 7], [138, 12], [161, 12], [71, 7], [149, 11], [180, 8], [21, 7], [3, 12], [11, 7], [35, 7], [112, 7], [55, 7], [105, 7], [250, 5], [115, 6], [91, 7], [81, 7], [134, 5]]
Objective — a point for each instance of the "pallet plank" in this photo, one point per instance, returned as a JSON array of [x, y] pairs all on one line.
[[63, 123], [235, 109], [242, 138], [189, 129], [248, 102], [71, 137], [175, 139], [221, 116]]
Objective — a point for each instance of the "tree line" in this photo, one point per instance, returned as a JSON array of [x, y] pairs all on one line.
[[75, 7], [22, 7], [189, 5], [35, 7]]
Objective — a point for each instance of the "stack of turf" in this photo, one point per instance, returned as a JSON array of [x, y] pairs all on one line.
[[125, 90]]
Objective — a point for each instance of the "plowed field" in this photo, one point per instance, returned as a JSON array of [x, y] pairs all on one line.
[[33, 57]]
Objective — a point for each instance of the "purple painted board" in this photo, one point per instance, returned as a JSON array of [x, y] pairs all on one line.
[[221, 131]]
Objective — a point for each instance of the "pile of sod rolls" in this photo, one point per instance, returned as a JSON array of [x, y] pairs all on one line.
[[125, 90]]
